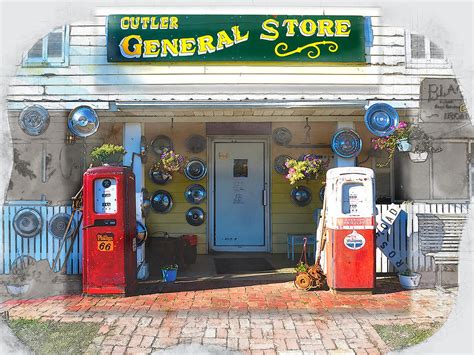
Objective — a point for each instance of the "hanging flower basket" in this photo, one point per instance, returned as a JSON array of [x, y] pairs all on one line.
[[418, 157], [108, 154], [310, 167], [169, 273], [169, 163], [403, 145], [398, 140]]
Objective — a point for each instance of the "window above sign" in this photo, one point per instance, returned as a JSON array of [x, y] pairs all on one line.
[[423, 53], [51, 50]]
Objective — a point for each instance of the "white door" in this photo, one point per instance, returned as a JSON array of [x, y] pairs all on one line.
[[239, 196]]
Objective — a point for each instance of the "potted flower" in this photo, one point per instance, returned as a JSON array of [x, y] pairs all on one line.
[[108, 154], [422, 146], [397, 140], [169, 163], [409, 279], [169, 272], [311, 167]]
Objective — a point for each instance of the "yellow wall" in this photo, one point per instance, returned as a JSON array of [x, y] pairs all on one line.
[[286, 217]]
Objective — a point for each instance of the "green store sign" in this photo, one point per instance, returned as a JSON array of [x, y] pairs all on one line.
[[237, 38]]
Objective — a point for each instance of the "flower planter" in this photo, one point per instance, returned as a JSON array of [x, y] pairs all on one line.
[[403, 145], [17, 290], [418, 157], [410, 282], [169, 275]]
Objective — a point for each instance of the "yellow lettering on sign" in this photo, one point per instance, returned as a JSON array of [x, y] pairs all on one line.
[[151, 48], [308, 27], [154, 24], [238, 38], [325, 28], [125, 23], [290, 26], [187, 46], [134, 22], [170, 47], [343, 28], [125, 46], [164, 23], [173, 23], [145, 21], [205, 44], [223, 39], [272, 31]]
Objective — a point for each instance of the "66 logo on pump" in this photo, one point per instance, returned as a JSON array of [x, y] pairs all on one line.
[[105, 242], [354, 241]]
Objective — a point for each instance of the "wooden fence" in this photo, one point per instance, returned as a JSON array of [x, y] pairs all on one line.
[[403, 236], [42, 246]]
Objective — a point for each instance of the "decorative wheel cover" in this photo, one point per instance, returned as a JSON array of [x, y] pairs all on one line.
[[159, 177], [279, 164], [83, 121], [301, 195], [346, 143], [321, 193], [195, 143], [58, 224], [160, 143], [282, 136], [381, 119], [161, 201], [195, 216], [34, 120], [195, 169], [27, 222], [195, 194]]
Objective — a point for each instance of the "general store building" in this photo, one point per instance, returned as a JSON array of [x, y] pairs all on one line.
[[209, 73]]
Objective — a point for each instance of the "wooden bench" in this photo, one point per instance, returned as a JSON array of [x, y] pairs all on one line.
[[440, 236]]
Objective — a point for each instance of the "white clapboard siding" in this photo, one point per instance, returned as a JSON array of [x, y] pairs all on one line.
[[42, 246], [160, 79]]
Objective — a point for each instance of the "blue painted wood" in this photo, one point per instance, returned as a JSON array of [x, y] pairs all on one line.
[[2, 242]]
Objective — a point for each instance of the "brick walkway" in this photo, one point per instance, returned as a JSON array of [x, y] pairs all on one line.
[[264, 318]]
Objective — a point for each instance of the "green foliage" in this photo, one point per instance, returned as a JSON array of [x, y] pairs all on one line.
[[310, 168], [402, 336], [390, 143], [170, 162], [301, 267], [54, 337], [106, 151], [407, 272], [170, 267]]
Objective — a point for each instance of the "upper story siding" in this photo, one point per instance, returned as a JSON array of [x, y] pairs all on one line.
[[90, 79]]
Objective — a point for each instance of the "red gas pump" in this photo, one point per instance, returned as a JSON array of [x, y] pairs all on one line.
[[109, 228], [350, 221]]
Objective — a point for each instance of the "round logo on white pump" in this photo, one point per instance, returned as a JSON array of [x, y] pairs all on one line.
[[354, 241]]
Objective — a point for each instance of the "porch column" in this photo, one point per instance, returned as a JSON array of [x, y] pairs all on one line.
[[340, 161], [132, 133]]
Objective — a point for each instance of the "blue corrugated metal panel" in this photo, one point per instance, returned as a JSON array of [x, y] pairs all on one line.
[[41, 246]]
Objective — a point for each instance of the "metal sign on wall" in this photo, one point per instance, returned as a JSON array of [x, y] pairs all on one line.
[[441, 101], [236, 38]]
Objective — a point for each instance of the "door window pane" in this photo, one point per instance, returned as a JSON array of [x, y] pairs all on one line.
[[241, 168]]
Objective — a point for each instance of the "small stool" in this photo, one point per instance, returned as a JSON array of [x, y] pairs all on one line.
[[298, 239]]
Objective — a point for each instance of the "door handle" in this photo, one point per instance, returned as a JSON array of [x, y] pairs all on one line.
[[264, 197]]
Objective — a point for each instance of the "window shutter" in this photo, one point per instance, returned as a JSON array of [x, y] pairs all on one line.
[[435, 51], [55, 45], [417, 46], [36, 52]]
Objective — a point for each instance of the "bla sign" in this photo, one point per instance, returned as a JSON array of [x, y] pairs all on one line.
[[238, 38]]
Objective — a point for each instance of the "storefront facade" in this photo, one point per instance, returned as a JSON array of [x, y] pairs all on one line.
[[255, 86]]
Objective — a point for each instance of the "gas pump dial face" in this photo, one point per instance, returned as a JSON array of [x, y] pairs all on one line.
[[105, 196]]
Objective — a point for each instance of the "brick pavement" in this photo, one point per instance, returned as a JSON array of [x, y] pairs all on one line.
[[257, 319]]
